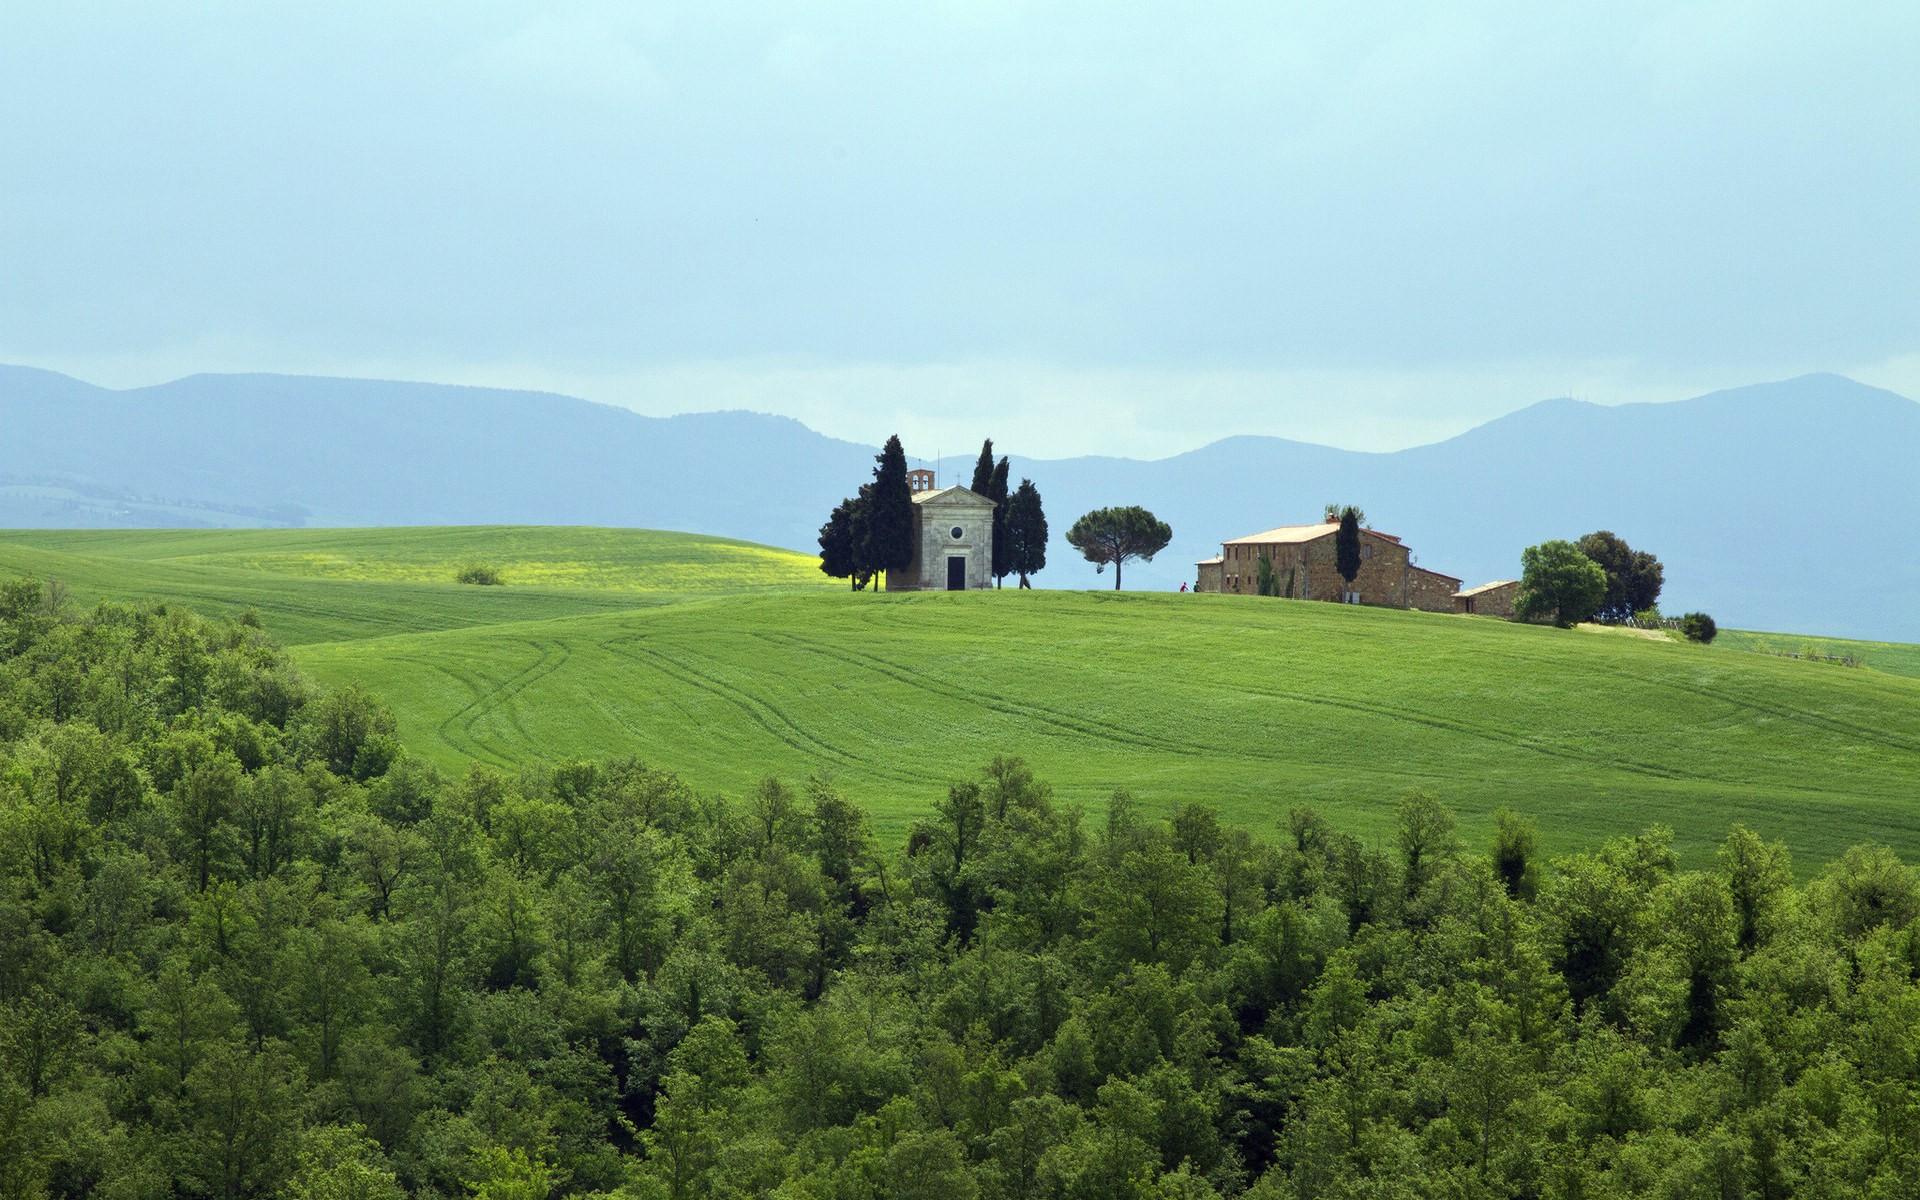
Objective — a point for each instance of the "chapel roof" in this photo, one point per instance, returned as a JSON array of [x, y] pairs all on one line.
[[956, 492]]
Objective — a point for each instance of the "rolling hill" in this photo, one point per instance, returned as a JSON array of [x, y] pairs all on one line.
[[1780, 506], [1895, 658], [334, 585], [728, 663]]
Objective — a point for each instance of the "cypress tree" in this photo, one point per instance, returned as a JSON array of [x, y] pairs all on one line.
[[836, 542], [1026, 533], [1346, 545], [997, 492], [890, 514], [983, 469], [860, 536]]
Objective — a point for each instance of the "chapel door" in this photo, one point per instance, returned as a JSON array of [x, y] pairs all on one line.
[[956, 573]]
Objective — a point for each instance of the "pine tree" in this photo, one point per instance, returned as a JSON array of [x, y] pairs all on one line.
[[997, 492], [890, 516], [1026, 532], [1111, 536]]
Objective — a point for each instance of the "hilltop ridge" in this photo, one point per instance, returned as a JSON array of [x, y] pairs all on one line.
[[1760, 499]]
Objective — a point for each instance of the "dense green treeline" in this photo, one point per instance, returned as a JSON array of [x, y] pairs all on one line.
[[248, 947]]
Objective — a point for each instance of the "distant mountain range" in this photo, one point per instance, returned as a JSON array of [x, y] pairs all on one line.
[[1790, 505]]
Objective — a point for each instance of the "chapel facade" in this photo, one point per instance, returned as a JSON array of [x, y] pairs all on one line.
[[952, 539]]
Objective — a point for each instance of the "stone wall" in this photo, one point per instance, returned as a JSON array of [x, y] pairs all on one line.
[[1383, 571], [1238, 572], [1206, 577], [1430, 591], [1310, 571], [1496, 601]]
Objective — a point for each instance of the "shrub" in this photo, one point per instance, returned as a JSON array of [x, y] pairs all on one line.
[[1698, 627], [480, 574], [1514, 859]]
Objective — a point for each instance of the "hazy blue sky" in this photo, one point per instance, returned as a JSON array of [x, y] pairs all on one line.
[[1098, 227]]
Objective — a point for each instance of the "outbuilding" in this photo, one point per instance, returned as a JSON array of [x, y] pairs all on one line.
[[1208, 573], [1494, 599]]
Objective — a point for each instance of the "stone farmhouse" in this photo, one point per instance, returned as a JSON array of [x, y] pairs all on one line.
[[952, 539], [1304, 566]]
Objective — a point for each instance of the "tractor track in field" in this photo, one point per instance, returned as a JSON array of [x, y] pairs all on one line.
[[270, 604], [1485, 733], [1799, 716], [769, 717], [1065, 722], [1734, 700], [1061, 723], [473, 687], [1094, 728], [549, 657], [552, 656], [1082, 726], [507, 695]]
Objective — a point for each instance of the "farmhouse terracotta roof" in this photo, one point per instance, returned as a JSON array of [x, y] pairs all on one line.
[[1215, 561], [1295, 535], [1485, 587], [1437, 574]]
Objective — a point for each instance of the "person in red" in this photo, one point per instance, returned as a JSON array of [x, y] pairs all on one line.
[[1183, 585]]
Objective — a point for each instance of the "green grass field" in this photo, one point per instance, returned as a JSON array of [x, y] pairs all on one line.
[[727, 662], [326, 585], [1896, 658]]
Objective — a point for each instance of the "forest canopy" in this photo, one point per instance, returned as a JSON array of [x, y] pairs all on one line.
[[249, 947]]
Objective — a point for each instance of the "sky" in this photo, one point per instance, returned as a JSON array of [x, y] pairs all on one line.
[[1081, 228]]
